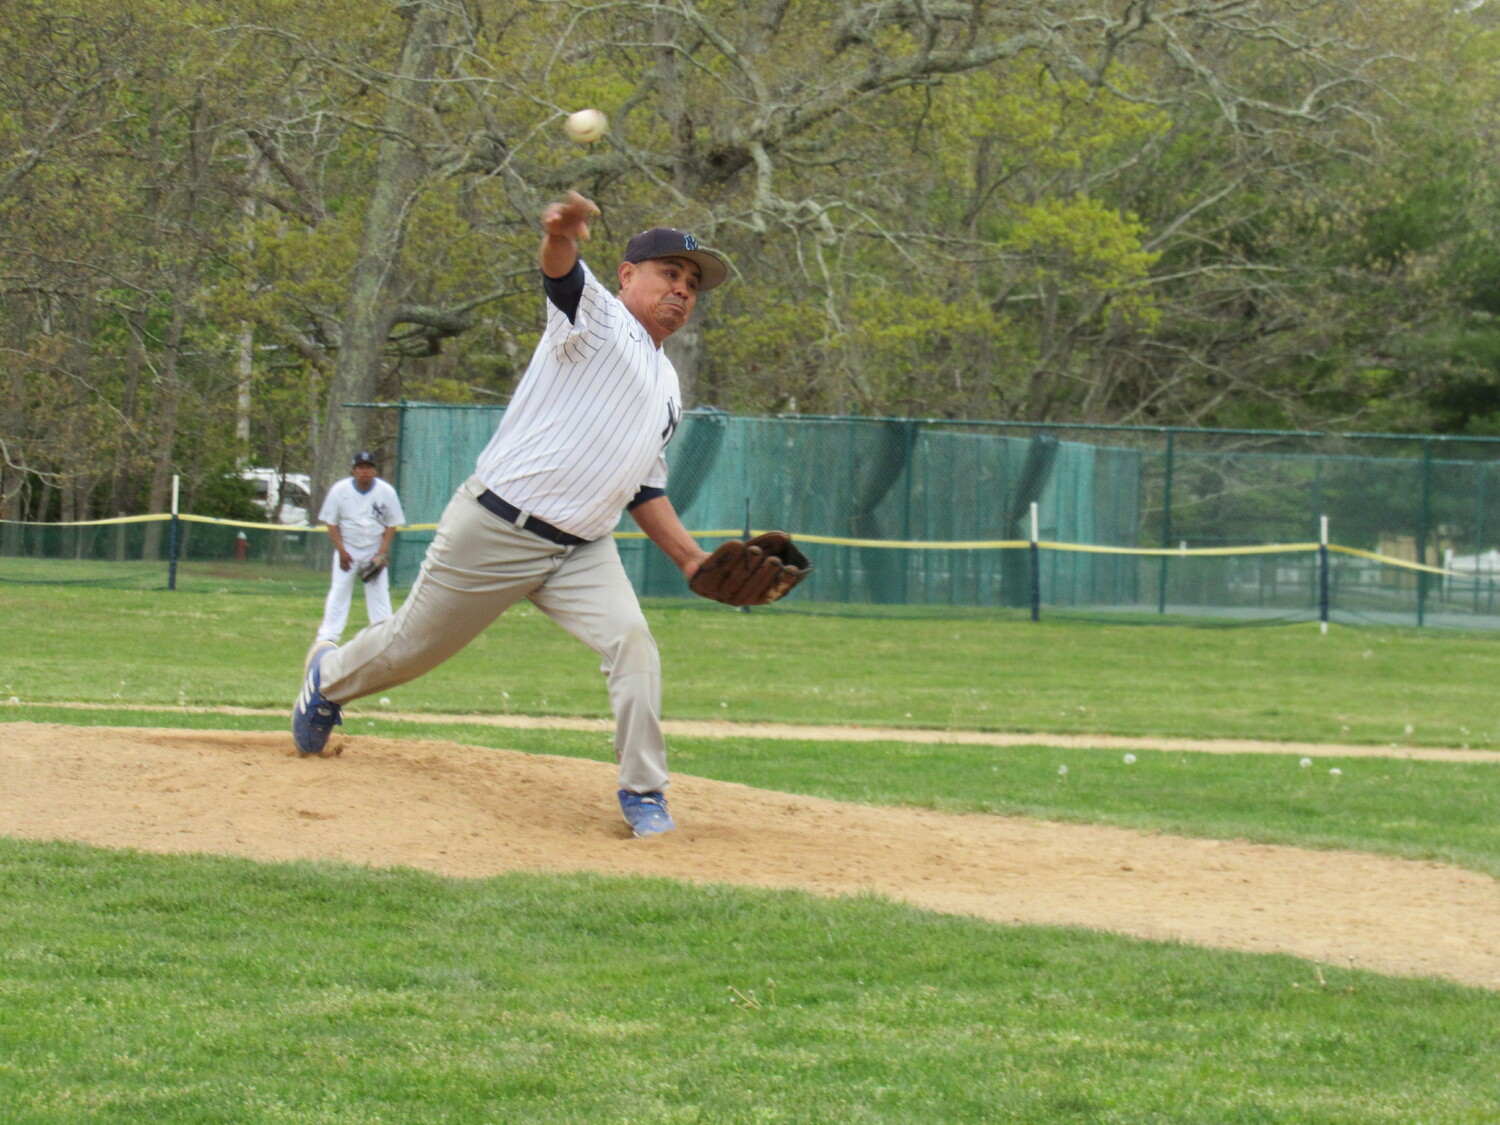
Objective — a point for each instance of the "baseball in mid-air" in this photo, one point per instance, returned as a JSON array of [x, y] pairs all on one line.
[[586, 126]]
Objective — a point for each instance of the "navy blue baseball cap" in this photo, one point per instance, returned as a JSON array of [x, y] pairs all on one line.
[[364, 457], [668, 242]]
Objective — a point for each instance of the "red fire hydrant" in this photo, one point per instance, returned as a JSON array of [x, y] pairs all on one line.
[[241, 545]]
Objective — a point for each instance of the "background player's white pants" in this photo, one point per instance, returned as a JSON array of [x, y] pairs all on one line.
[[476, 568], [341, 594]]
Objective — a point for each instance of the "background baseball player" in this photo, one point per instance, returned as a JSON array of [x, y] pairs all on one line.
[[582, 439], [362, 513]]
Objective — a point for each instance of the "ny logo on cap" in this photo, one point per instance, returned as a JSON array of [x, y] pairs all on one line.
[[689, 242]]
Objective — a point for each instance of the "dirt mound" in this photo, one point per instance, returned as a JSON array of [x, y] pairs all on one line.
[[472, 812]]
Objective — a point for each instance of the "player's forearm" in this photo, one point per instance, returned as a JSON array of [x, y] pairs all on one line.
[[558, 255], [659, 520], [564, 224]]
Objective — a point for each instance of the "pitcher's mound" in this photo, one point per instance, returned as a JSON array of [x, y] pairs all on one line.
[[472, 812]]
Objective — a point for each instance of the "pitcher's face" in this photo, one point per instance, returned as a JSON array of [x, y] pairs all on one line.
[[661, 292]]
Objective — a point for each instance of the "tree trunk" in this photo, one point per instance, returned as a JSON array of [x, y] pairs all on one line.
[[245, 362], [366, 320], [685, 349]]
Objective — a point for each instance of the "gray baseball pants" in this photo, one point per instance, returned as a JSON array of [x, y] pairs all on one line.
[[476, 568]]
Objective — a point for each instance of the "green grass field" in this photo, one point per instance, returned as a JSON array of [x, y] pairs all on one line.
[[199, 989], [1363, 685]]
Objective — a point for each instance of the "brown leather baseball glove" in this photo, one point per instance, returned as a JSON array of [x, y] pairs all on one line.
[[757, 572], [369, 571]]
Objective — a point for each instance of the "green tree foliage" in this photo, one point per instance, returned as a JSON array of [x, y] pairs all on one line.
[[1260, 213]]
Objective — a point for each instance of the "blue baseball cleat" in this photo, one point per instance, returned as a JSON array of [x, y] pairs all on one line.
[[646, 813], [313, 717]]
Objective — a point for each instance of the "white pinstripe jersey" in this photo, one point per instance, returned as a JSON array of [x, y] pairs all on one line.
[[589, 421]]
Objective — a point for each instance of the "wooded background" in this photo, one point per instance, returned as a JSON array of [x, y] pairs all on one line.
[[221, 222]]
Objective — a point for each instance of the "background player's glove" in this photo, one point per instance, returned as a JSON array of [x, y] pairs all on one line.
[[368, 571], [757, 572]]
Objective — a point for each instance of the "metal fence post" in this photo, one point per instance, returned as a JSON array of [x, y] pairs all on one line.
[[1323, 575], [1479, 529], [1166, 524], [1423, 527], [1036, 568], [172, 539]]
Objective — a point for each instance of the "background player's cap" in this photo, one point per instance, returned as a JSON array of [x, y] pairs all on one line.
[[665, 242], [364, 457]]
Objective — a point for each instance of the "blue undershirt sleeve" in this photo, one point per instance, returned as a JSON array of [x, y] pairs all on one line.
[[647, 492], [565, 292]]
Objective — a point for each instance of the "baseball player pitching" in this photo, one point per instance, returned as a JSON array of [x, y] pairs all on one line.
[[582, 440]]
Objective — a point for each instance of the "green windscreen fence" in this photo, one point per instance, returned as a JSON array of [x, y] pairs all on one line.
[[942, 517], [886, 492], [1129, 521]]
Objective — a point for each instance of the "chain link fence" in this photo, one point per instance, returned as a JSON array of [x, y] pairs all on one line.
[[933, 513], [948, 517]]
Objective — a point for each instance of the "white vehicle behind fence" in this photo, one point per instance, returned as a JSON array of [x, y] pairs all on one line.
[[293, 489]]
